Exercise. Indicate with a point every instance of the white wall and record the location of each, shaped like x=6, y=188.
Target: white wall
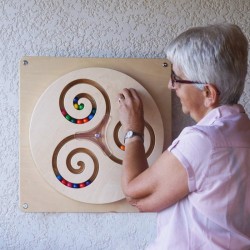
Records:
x=87, y=28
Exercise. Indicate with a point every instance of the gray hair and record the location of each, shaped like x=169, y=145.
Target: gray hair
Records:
x=215, y=54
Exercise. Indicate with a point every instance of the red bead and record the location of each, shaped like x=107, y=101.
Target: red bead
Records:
x=82, y=185
x=64, y=113
x=79, y=121
x=64, y=182
x=69, y=184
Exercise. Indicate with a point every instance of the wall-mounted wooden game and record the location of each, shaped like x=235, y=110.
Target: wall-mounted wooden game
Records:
x=71, y=140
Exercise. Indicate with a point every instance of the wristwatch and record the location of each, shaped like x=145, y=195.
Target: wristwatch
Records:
x=131, y=134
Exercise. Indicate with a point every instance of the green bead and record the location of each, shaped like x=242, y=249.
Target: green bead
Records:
x=68, y=117
x=81, y=106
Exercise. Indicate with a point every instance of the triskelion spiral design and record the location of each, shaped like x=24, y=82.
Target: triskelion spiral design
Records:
x=83, y=161
x=80, y=106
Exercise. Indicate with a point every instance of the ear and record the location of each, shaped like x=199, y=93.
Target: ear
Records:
x=211, y=95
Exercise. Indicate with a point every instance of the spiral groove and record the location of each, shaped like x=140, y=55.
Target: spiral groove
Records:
x=81, y=165
x=80, y=106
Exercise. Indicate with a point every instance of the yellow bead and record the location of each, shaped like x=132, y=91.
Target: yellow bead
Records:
x=76, y=106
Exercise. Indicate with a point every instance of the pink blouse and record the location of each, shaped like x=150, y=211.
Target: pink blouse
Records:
x=216, y=213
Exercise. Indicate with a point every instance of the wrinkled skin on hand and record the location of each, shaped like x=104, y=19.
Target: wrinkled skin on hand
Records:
x=131, y=111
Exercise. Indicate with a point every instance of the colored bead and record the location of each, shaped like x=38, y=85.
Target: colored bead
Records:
x=64, y=182
x=90, y=116
x=98, y=135
x=75, y=185
x=88, y=182
x=64, y=113
x=75, y=100
x=93, y=111
x=79, y=121
x=68, y=117
x=76, y=106
x=82, y=185
x=73, y=120
x=81, y=106
x=122, y=147
x=69, y=184
x=59, y=177
x=85, y=120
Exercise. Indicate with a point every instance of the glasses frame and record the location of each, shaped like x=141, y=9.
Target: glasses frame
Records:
x=175, y=80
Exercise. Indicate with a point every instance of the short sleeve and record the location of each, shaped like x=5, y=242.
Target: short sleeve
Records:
x=193, y=149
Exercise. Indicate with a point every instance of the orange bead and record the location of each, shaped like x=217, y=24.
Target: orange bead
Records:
x=122, y=147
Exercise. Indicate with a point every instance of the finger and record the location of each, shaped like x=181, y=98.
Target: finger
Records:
x=134, y=94
x=126, y=93
x=120, y=97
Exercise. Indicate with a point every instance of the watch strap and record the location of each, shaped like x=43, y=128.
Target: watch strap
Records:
x=131, y=134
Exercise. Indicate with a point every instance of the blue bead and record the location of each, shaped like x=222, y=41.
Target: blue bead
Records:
x=59, y=177
x=75, y=185
x=75, y=100
x=90, y=116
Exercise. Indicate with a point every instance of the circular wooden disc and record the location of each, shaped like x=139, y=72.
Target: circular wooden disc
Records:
x=85, y=102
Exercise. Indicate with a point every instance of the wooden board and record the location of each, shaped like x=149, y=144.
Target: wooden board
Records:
x=71, y=141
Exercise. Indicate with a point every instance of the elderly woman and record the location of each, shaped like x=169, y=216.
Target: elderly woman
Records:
x=201, y=185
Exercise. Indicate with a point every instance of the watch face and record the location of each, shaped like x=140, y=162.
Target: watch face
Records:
x=129, y=134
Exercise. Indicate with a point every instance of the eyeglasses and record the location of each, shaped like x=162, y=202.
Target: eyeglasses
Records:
x=177, y=79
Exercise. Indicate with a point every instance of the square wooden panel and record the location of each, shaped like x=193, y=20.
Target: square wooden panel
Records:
x=42, y=81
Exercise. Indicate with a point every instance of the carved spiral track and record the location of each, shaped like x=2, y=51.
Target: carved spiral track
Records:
x=80, y=106
x=121, y=144
x=72, y=169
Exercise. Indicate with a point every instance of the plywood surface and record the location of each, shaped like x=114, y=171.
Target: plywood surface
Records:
x=55, y=149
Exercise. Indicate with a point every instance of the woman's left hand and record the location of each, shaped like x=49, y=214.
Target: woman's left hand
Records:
x=131, y=111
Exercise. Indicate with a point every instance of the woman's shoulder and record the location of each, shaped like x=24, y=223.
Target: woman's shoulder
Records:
x=202, y=132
